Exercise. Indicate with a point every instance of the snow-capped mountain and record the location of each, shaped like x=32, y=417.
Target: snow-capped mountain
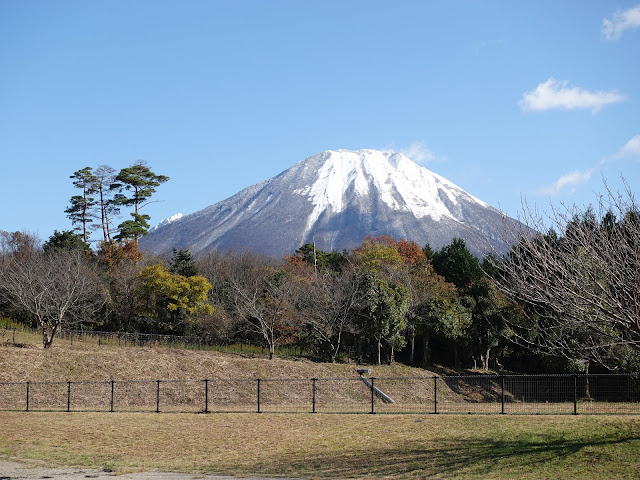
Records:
x=336, y=198
x=168, y=220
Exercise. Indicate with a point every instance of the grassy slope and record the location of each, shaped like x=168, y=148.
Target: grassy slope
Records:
x=88, y=361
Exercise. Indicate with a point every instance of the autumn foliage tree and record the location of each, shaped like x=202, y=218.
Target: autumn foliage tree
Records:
x=170, y=300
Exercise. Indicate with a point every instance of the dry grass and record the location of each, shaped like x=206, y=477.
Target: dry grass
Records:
x=331, y=446
x=88, y=361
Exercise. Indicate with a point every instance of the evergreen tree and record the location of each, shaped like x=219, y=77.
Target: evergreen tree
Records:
x=141, y=182
x=182, y=263
x=428, y=252
x=81, y=212
x=457, y=264
x=325, y=261
x=66, y=241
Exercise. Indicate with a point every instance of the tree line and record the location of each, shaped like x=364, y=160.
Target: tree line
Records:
x=376, y=299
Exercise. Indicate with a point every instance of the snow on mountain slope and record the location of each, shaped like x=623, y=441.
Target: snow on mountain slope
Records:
x=335, y=197
x=168, y=220
x=401, y=184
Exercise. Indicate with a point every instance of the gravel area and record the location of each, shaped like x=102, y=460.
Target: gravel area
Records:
x=11, y=470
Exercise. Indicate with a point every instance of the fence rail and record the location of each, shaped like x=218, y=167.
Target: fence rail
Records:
x=486, y=394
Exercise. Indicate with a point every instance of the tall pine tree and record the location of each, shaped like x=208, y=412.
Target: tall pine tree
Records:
x=141, y=183
x=81, y=212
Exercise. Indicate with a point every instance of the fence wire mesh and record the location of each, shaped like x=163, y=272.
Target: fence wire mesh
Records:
x=233, y=396
x=486, y=394
x=340, y=395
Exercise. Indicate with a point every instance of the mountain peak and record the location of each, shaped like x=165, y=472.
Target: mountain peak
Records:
x=336, y=197
x=400, y=183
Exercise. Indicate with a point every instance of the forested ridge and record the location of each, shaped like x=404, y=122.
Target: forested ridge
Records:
x=565, y=300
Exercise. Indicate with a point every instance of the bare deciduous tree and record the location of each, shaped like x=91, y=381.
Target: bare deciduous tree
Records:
x=261, y=297
x=57, y=288
x=325, y=302
x=581, y=287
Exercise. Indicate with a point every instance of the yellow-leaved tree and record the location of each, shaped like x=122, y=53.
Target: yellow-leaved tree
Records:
x=171, y=300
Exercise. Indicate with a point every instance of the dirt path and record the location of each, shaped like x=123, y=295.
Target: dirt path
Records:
x=10, y=470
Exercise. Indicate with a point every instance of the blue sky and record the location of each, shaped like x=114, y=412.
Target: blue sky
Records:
x=535, y=99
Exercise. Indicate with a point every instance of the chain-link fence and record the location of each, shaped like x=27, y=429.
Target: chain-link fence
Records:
x=482, y=394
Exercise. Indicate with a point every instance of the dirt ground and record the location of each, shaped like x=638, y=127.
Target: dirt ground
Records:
x=12, y=470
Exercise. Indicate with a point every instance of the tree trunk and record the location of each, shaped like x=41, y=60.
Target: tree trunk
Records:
x=586, y=380
x=336, y=350
x=379, y=351
x=47, y=337
x=413, y=344
x=426, y=354
x=272, y=344
x=485, y=359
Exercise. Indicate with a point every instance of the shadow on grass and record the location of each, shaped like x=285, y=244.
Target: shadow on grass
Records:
x=474, y=458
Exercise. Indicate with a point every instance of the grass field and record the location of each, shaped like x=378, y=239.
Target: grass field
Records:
x=331, y=446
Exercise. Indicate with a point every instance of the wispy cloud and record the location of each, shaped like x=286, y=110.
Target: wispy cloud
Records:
x=556, y=94
x=631, y=149
x=571, y=180
x=568, y=181
x=419, y=153
x=622, y=20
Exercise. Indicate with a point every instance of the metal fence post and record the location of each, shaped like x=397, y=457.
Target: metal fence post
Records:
x=502, y=393
x=158, y=396
x=435, y=394
x=28, y=383
x=68, y=396
x=313, y=395
x=575, y=394
x=206, y=395
x=259, y=396
x=372, y=396
x=112, y=383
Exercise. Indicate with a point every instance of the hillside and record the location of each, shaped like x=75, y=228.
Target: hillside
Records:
x=109, y=377
x=88, y=361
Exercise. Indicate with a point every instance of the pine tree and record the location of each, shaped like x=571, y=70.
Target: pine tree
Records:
x=141, y=182
x=457, y=264
x=81, y=212
x=66, y=240
x=182, y=263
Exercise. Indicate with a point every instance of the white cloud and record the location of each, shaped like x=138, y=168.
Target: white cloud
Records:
x=622, y=20
x=631, y=149
x=556, y=94
x=419, y=153
x=570, y=180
